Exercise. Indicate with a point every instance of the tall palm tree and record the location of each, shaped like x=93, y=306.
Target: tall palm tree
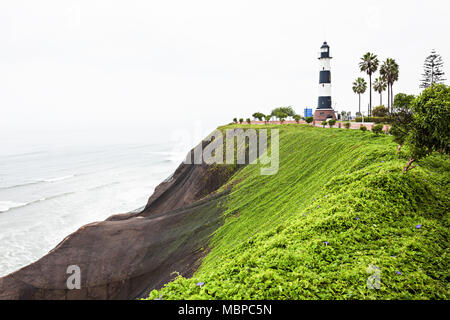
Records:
x=379, y=86
x=359, y=87
x=369, y=64
x=389, y=72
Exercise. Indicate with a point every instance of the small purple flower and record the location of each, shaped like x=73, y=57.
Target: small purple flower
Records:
x=357, y=218
x=326, y=243
x=326, y=196
x=199, y=284
x=318, y=207
x=418, y=226
x=367, y=173
x=160, y=298
x=398, y=272
x=382, y=161
x=314, y=199
x=394, y=256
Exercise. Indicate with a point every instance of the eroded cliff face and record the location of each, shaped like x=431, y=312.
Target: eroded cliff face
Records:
x=127, y=255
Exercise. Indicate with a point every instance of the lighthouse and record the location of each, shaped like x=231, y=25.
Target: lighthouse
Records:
x=324, y=109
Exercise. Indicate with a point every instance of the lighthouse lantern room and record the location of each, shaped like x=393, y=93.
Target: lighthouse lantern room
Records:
x=324, y=109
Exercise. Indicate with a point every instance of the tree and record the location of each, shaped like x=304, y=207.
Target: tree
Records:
x=347, y=125
x=267, y=118
x=369, y=64
x=287, y=110
x=249, y=121
x=241, y=120
x=380, y=111
x=281, y=115
x=380, y=86
x=401, y=118
x=377, y=129
x=430, y=130
x=324, y=123
x=359, y=87
x=389, y=72
x=331, y=123
x=235, y=120
x=297, y=118
x=309, y=120
x=433, y=73
x=258, y=115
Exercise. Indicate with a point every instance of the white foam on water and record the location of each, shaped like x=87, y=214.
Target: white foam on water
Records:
x=7, y=205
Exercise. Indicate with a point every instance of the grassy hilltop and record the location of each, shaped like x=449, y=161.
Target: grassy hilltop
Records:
x=338, y=205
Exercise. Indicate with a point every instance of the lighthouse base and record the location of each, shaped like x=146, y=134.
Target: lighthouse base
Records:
x=324, y=114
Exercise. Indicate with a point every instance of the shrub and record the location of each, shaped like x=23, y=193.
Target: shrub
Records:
x=241, y=120
x=324, y=123
x=380, y=111
x=249, y=121
x=377, y=129
x=375, y=119
x=309, y=119
x=331, y=123
x=347, y=125
x=297, y=118
x=363, y=128
x=235, y=120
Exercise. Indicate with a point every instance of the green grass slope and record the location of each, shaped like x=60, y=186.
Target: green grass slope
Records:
x=338, y=210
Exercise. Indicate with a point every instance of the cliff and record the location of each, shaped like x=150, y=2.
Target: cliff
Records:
x=130, y=254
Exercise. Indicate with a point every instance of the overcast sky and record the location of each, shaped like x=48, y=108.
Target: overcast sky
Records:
x=126, y=68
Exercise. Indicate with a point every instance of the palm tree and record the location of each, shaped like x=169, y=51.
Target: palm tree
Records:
x=369, y=65
x=359, y=87
x=379, y=86
x=389, y=72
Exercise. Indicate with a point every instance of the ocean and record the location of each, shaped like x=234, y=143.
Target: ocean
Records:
x=48, y=193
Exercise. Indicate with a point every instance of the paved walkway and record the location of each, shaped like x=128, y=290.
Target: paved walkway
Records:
x=353, y=125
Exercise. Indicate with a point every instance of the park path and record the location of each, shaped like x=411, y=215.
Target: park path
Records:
x=353, y=125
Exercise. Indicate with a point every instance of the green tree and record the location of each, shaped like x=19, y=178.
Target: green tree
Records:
x=309, y=119
x=297, y=118
x=359, y=87
x=379, y=86
x=235, y=120
x=369, y=64
x=347, y=125
x=258, y=115
x=389, y=72
x=287, y=110
x=281, y=115
x=324, y=123
x=432, y=69
x=267, y=118
x=241, y=120
x=249, y=121
x=430, y=130
x=401, y=118
x=331, y=123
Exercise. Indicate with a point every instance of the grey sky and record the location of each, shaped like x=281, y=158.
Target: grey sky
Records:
x=112, y=68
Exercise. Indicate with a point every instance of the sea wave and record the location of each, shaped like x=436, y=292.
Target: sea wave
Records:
x=37, y=181
x=11, y=205
x=58, y=178
x=7, y=205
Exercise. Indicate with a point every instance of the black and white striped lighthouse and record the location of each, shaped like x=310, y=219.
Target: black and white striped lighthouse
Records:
x=324, y=109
